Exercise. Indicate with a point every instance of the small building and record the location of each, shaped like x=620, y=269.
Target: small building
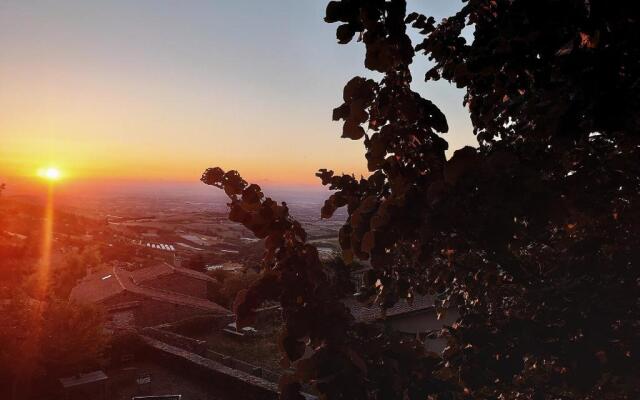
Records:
x=419, y=318
x=146, y=296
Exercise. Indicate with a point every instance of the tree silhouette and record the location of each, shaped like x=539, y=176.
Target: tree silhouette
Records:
x=532, y=237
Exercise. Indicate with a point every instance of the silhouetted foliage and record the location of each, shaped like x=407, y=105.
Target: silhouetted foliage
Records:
x=74, y=268
x=219, y=274
x=42, y=335
x=532, y=237
x=42, y=341
x=228, y=284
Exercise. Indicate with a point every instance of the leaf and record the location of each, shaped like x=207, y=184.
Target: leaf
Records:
x=345, y=33
x=344, y=237
x=357, y=111
x=589, y=41
x=334, y=202
x=352, y=130
x=411, y=17
x=463, y=160
x=436, y=191
x=435, y=117
x=293, y=348
x=212, y=176
x=347, y=256
x=566, y=49
x=359, y=88
x=380, y=219
x=325, y=176
x=369, y=204
x=376, y=151
x=341, y=112
x=289, y=388
x=238, y=214
x=245, y=315
x=334, y=12
x=368, y=242
x=357, y=360
x=252, y=195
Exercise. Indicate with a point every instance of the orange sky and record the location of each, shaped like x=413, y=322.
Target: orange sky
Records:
x=161, y=90
x=91, y=130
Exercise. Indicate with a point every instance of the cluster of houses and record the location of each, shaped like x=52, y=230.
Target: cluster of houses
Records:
x=139, y=296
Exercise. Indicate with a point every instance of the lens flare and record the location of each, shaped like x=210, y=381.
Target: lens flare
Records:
x=50, y=173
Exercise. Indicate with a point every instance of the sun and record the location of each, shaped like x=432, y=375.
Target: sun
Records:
x=50, y=173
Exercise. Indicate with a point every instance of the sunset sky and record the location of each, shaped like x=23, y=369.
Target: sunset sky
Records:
x=159, y=90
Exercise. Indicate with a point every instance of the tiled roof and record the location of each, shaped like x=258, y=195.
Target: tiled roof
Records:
x=367, y=313
x=192, y=273
x=152, y=272
x=98, y=286
x=102, y=283
x=127, y=281
x=108, y=281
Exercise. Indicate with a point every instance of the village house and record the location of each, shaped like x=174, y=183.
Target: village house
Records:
x=146, y=296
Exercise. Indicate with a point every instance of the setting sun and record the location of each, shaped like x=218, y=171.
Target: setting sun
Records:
x=50, y=173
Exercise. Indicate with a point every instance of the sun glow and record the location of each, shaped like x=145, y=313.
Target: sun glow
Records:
x=50, y=173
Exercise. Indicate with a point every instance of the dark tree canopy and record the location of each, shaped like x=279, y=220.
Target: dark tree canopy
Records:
x=532, y=237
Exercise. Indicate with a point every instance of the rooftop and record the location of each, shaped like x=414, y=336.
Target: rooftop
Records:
x=108, y=281
x=98, y=286
x=367, y=313
x=152, y=272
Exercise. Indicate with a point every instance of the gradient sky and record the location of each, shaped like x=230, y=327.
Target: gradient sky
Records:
x=160, y=90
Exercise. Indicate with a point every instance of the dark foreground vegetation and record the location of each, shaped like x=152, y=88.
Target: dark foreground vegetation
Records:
x=42, y=335
x=532, y=237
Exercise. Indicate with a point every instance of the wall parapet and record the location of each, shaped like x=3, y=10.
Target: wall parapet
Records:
x=227, y=379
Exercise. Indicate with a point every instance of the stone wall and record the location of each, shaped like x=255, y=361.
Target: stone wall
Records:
x=226, y=380
x=243, y=366
x=174, y=339
x=199, y=324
